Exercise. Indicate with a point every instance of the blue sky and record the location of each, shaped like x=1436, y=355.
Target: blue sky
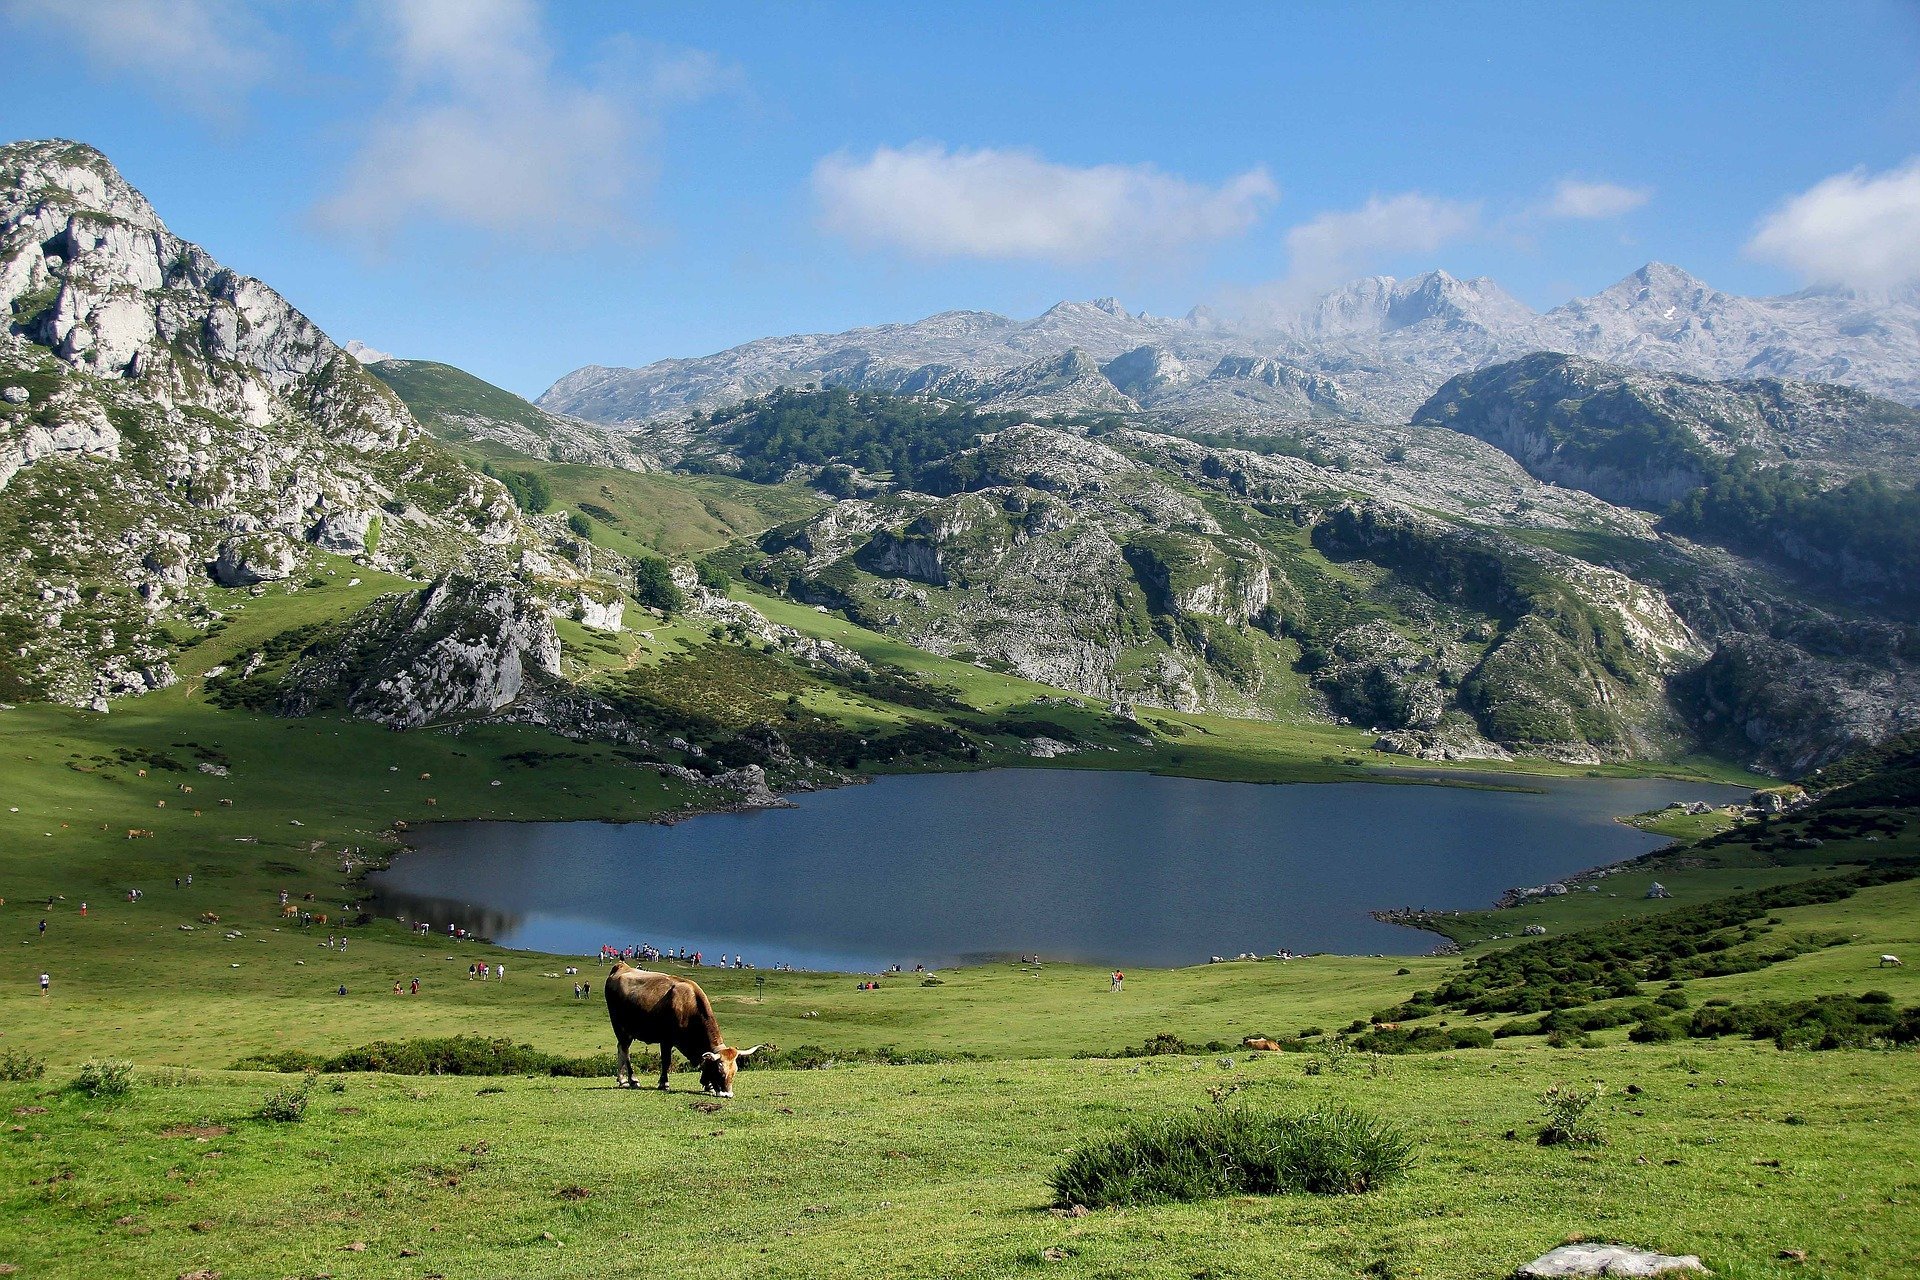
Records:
x=522, y=188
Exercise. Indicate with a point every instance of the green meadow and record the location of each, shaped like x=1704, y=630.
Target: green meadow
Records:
x=921, y=1138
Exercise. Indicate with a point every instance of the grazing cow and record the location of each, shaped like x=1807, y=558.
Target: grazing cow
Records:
x=1261, y=1043
x=673, y=1013
x=1889, y=962
x=288, y=911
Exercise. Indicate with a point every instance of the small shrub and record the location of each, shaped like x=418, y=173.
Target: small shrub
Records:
x=17, y=1067
x=1228, y=1151
x=932, y=982
x=1653, y=1031
x=1329, y=1058
x=101, y=1078
x=1567, y=1118
x=288, y=1105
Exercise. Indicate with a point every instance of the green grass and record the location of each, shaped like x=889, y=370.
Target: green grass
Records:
x=943, y=1171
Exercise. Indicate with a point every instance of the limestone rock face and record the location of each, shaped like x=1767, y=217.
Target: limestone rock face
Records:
x=179, y=431
x=463, y=646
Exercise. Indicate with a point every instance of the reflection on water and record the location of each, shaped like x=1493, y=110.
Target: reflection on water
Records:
x=1105, y=867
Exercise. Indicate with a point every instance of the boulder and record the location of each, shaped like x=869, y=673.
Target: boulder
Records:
x=247, y=561
x=342, y=531
x=1607, y=1260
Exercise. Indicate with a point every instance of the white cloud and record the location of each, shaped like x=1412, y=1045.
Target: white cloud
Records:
x=205, y=55
x=1573, y=198
x=1337, y=246
x=1857, y=228
x=1012, y=204
x=486, y=132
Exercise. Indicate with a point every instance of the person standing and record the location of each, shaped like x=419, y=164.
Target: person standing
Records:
x=500, y=971
x=83, y=909
x=43, y=926
x=1119, y=980
x=46, y=980
x=415, y=990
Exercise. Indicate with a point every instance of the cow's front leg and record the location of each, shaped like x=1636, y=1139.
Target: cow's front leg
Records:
x=623, y=1067
x=666, y=1060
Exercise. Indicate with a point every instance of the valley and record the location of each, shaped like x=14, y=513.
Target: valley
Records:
x=270, y=605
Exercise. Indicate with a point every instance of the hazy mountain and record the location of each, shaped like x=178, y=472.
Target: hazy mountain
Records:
x=1375, y=348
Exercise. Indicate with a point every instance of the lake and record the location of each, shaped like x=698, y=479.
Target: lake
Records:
x=1110, y=868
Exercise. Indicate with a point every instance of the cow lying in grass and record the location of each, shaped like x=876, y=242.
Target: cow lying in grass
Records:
x=672, y=1013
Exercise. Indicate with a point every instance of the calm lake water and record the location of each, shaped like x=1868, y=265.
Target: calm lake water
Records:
x=1113, y=868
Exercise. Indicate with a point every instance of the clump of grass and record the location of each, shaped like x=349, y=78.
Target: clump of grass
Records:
x=104, y=1079
x=1567, y=1118
x=1231, y=1150
x=17, y=1067
x=288, y=1105
x=1328, y=1058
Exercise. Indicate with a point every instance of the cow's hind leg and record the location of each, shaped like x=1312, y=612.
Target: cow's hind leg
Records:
x=623, y=1067
x=666, y=1061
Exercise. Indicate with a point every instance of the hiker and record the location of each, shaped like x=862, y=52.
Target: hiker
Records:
x=1119, y=980
x=43, y=926
x=415, y=989
x=500, y=972
x=46, y=980
x=83, y=908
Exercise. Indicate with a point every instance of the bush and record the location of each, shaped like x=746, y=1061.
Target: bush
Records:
x=653, y=586
x=1653, y=1031
x=1229, y=1151
x=442, y=1056
x=101, y=1078
x=1567, y=1118
x=17, y=1067
x=288, y=1105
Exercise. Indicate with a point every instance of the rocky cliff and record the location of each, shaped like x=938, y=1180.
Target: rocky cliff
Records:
x=172, y=431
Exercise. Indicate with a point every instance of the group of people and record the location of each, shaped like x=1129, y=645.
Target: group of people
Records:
x=480, y=970
x=411, y=989
x=644, y=951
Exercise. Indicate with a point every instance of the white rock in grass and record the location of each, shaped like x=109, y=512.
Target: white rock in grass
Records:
x=1607, y=1260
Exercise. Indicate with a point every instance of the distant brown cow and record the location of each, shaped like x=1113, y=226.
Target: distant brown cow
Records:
x=673, y=1013
x=1261, y=1043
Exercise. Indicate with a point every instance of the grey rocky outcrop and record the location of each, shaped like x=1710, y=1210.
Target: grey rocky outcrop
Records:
x=463, y=646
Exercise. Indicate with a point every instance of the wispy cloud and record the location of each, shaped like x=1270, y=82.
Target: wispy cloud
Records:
x=1014, y=204
x=207, y=56
x=1572, y=198
x=486, y=131
x=1336, y=246
x=1857, y=228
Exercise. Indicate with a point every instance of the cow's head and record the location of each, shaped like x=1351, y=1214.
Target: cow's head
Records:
x=718, y=1065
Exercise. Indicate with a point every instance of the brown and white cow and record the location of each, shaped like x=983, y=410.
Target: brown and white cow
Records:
x=672, y=1013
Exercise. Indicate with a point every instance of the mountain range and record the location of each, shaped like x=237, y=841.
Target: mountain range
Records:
x=1373, y=349
x=1544, y=554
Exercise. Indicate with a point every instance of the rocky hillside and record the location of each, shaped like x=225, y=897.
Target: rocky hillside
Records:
x=460, y=408
x=1414, y=581
x=1819, y=480
x=1648, y=439
x=172, y=431
x=1374, y=349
